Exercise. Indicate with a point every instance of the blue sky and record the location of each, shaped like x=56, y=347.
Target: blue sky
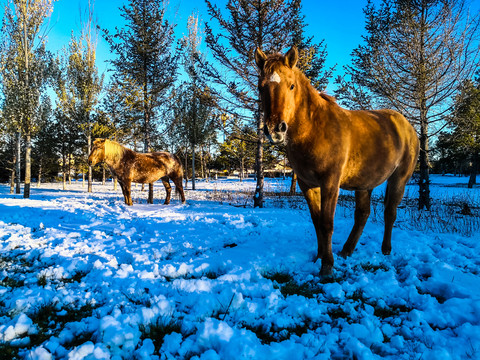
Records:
x=340, y=23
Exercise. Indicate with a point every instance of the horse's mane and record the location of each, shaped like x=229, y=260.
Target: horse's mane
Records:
x=273, y=62
x=327, y=97
x=113, y=150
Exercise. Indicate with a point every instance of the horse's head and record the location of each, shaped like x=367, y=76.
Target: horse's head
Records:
x=277, y=85
x=98, y=152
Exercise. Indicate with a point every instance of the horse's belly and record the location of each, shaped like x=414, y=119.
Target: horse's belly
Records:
x=366, y=177
x=147, y=177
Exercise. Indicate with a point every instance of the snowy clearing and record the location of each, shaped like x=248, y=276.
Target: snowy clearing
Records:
x=83, y=276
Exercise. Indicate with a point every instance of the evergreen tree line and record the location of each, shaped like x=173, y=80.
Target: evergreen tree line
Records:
x=418, y=57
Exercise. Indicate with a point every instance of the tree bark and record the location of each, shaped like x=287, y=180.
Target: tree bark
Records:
x=424, y=181
x=69, y=169
x=64, y=170
x=193, y=166
x=202, y=165
x=39, y=180
x=18, y=162
x=185, y=173
x=242, y=168
x=89, y=148
x=12, y=175
x=473, y=170
x=28, y=165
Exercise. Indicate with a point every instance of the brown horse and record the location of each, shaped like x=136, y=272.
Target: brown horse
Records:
x=331, y=148
x=129, y=166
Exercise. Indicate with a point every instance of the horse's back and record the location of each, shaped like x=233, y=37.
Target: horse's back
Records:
x=172, y=163
x=381, y=141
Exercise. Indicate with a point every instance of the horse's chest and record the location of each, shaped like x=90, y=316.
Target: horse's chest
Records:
x=308, y=167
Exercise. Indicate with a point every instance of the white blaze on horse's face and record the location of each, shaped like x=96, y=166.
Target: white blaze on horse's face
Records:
x=277, y=98
x=277, y=89
x=275, y=78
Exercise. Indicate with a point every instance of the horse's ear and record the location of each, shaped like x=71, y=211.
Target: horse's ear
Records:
x=260, y=58
x=291, y=57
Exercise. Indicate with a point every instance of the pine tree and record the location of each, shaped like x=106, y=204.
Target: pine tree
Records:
x=45, y=148
x=145, y=62
x=466, y=123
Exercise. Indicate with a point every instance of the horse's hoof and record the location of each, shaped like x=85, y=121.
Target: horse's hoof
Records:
x=345, y=254
x=326, y=271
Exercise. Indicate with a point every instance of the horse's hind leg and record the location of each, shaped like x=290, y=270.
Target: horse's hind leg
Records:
x=362, y=212
x=393, y=197
x=179, y=188
x=168, y=189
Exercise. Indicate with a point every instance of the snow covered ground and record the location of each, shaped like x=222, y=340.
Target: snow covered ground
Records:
x=82, y=276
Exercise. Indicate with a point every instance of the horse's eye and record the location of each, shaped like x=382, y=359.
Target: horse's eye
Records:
x=292, y=86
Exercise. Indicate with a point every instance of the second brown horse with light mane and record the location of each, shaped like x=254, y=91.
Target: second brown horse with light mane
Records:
x=330, y=148
x=129, y=166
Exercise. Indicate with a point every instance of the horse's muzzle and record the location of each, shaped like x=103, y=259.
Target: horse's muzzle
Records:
x=279, y=133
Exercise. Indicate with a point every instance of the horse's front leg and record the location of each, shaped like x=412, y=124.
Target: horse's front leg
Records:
x=328, y=204
x=122, y=186
x=127, y=192
x=313, y=196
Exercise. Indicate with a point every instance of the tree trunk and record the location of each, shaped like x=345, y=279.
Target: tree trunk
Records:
x=12, y=175
x=89, y=148
x=64, y=170
x=39, y=180
x=69, y=169
x=18, y=162
x=424, y=181
x=193, y=167
x=258, y=196
x=186, y=168
x=242, y=168
x=28, y=165
x=202, y=167
x=421, y=83
x=473, y=171
x=293, y=185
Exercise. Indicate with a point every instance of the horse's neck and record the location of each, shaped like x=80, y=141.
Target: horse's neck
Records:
x=113, y=160
x=310, y=110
